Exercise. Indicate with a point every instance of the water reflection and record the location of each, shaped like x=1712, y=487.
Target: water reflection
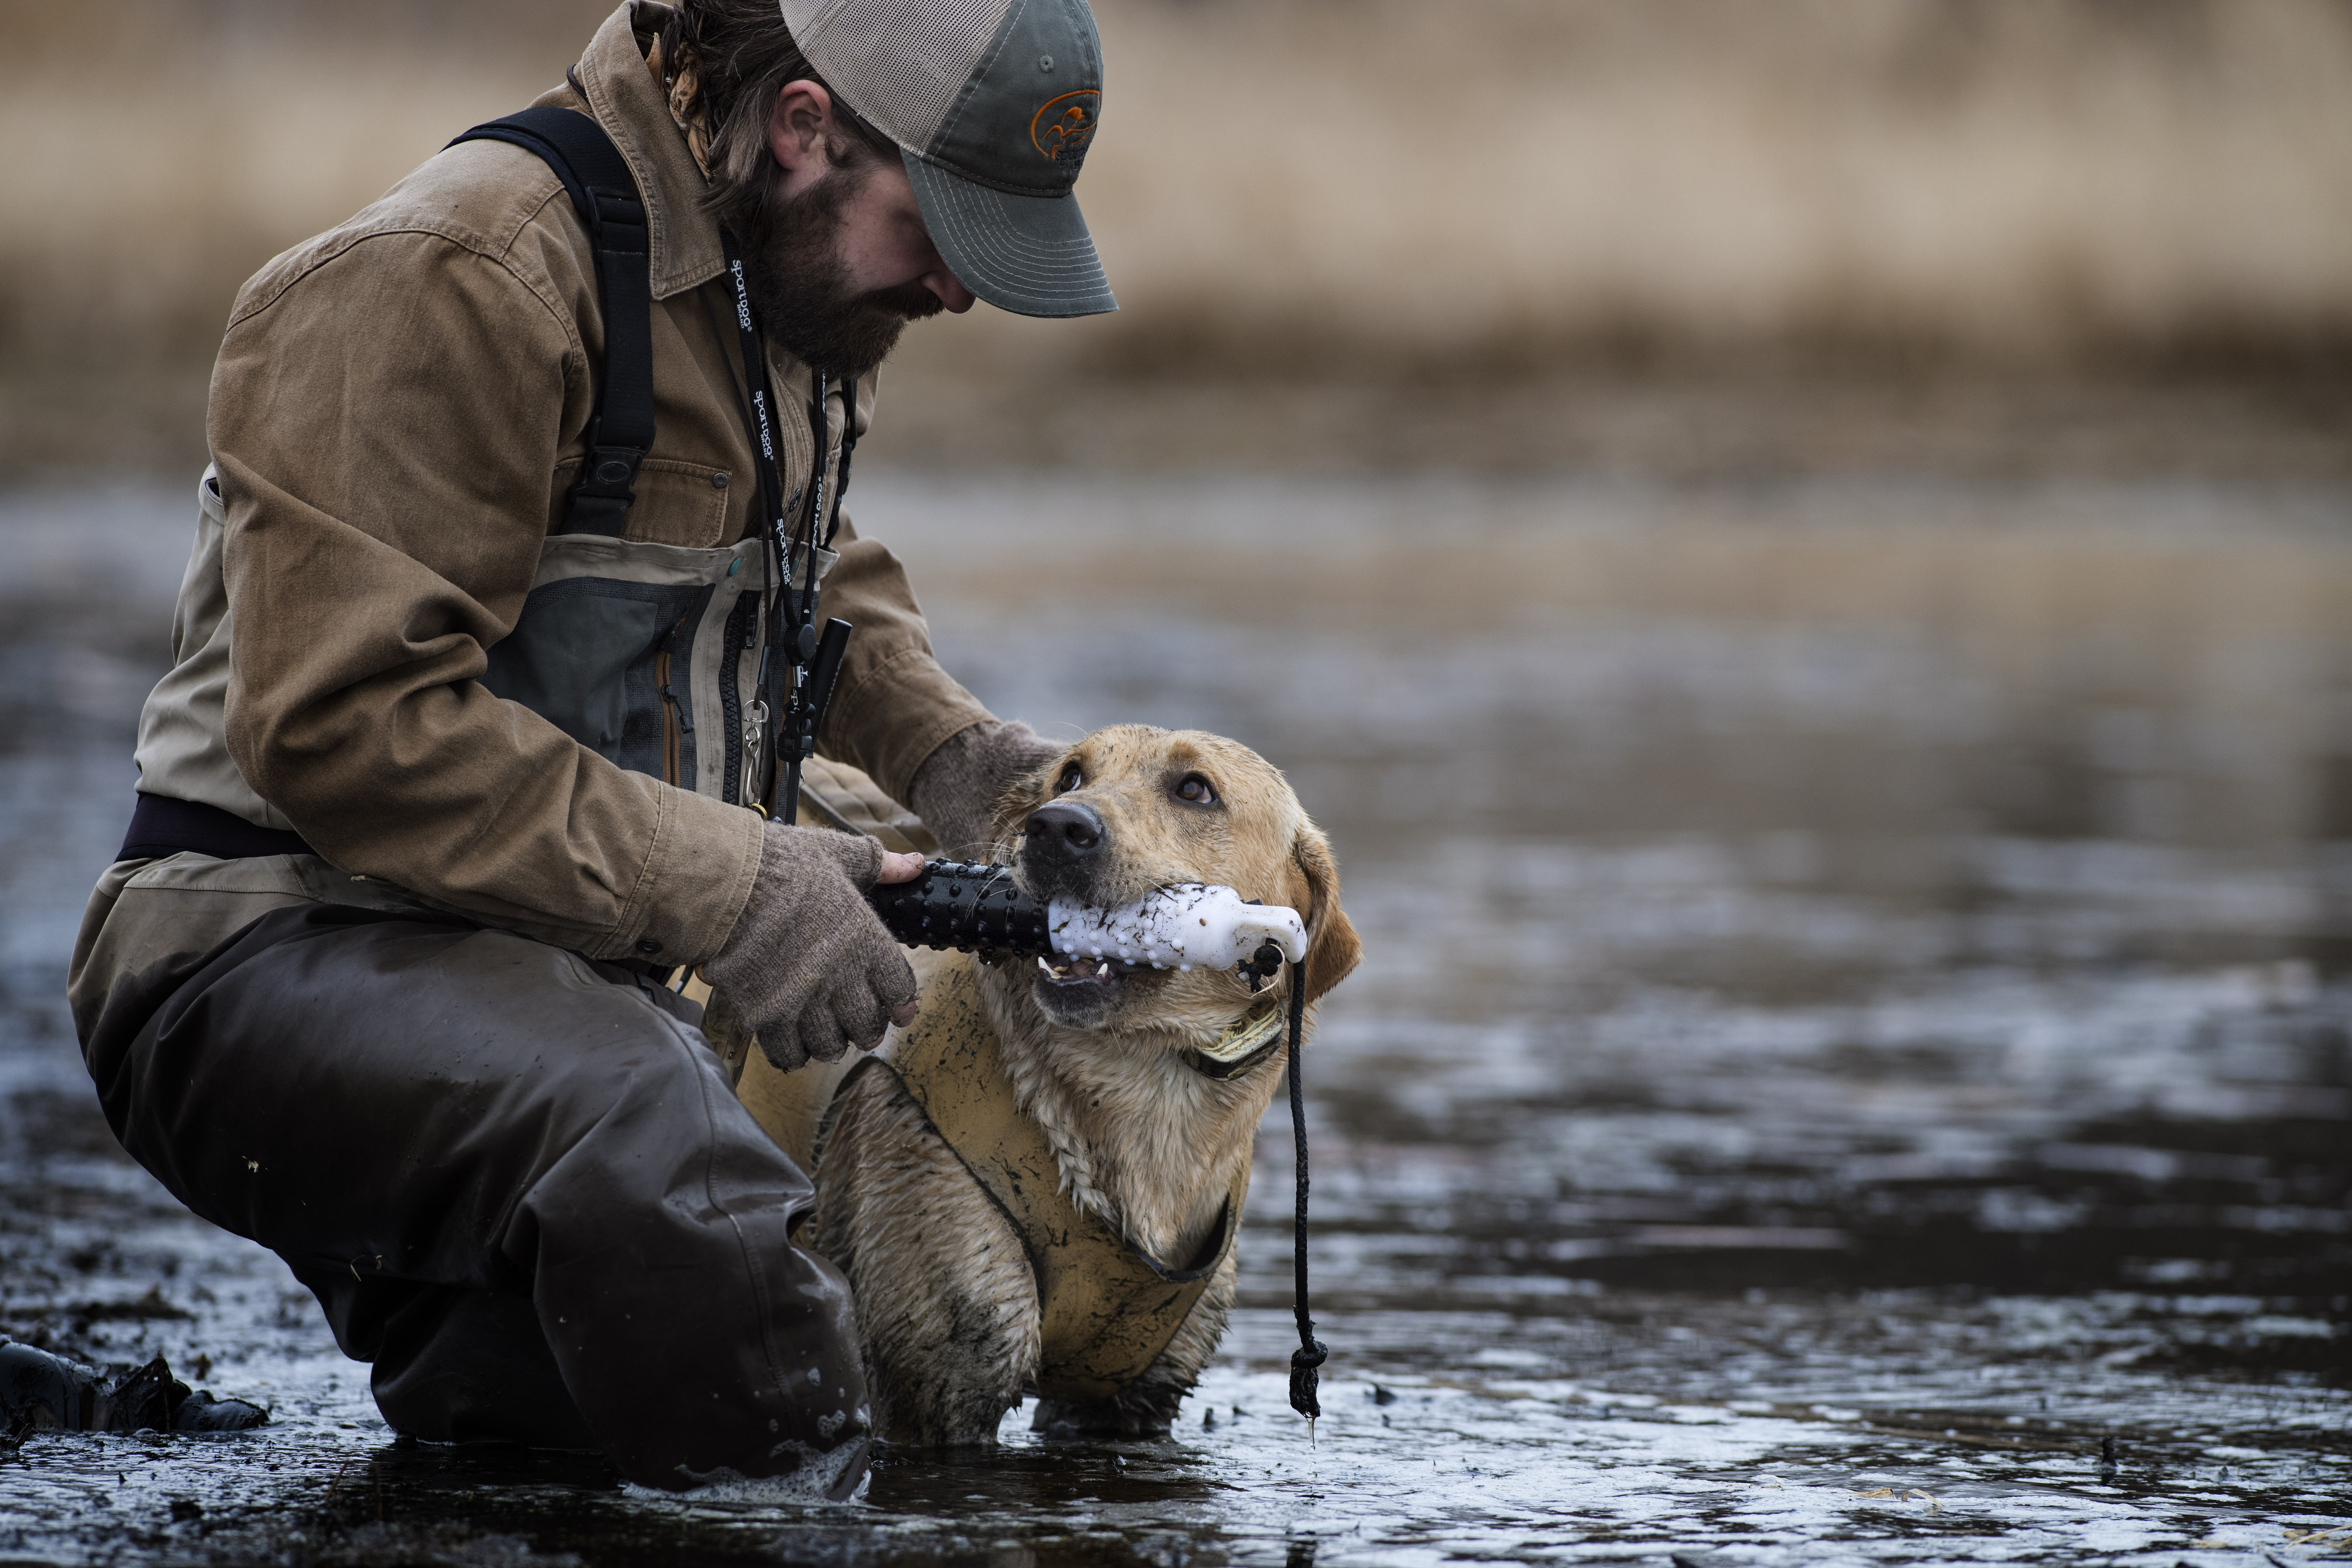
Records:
x=1843, y=884
x=1852, y=1056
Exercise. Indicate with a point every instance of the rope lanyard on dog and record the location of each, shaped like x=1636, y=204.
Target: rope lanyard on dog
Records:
x=812, y=658
x=1310, y=1353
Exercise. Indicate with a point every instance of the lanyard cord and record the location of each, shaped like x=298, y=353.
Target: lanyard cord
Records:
x=791, y=611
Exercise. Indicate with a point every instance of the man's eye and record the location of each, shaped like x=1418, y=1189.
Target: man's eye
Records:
x=1071, y=778
x=1197, y=790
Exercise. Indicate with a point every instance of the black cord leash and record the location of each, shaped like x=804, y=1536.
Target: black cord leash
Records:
x=1310, y=1353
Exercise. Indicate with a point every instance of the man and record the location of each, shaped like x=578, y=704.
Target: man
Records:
x=458, y=760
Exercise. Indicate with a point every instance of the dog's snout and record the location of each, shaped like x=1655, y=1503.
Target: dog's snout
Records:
x=1063, y=829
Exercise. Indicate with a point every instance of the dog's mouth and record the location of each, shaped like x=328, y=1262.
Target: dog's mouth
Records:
x=1172, y=929
x=1064, y=974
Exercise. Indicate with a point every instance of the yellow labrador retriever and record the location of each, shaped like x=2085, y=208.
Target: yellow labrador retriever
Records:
x=1036, y=1188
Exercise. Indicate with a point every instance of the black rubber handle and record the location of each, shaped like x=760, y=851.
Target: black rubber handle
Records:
x=968, y=908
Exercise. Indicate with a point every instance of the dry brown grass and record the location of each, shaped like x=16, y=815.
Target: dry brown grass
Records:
x=1511, y=177
x=1349, y=187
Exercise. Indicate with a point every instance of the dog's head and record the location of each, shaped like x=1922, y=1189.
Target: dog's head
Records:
x=1131, y=809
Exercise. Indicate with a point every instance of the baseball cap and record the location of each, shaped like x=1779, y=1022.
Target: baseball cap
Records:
x=992, y=103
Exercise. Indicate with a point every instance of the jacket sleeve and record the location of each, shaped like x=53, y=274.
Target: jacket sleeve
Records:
x=893, y=704
x=387, y=419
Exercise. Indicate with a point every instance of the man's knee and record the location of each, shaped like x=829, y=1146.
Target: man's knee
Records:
x=472, y=1366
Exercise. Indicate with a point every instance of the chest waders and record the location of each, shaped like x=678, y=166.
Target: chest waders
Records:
x=707, y=669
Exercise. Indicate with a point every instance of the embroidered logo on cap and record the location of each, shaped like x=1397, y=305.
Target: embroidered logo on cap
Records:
x=1063, y=126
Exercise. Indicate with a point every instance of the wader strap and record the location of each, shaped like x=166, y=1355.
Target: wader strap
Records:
x=621, y=429
x=1107, y=1310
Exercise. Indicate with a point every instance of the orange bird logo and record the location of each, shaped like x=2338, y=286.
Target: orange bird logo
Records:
x=1063, y=126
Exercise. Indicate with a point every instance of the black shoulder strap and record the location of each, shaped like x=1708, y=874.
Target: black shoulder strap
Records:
x=621, y=430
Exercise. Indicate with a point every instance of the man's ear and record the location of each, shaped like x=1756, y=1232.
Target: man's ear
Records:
x=1332, y=949
x=801, y=129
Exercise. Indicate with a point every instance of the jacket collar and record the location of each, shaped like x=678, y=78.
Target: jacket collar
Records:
x=683, y=246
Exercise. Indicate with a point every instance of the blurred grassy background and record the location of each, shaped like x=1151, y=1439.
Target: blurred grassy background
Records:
x=1710, y=233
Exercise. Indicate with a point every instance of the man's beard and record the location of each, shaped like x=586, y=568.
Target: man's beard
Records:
x=800, y=286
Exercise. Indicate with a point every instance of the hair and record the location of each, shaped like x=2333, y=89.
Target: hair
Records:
x=743, y=56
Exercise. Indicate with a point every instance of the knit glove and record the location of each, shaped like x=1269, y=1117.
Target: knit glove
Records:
x=810, y=968
x=956, y=790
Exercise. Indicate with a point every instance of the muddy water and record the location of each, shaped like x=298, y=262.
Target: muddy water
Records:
x=1851, y=1064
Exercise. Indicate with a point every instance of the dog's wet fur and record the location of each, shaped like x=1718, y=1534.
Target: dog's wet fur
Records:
x=947, y=1306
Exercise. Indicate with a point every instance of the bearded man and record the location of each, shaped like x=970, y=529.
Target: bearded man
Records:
x=474, y=703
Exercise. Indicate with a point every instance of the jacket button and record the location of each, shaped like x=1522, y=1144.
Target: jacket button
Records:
x=648, y=946
x=718, y=481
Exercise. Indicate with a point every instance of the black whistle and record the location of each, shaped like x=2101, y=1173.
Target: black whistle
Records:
x=968, y=908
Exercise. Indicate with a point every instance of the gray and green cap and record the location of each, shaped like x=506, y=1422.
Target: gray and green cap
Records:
x=992, y=103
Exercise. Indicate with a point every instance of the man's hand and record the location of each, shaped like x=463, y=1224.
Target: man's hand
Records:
x=810, y=968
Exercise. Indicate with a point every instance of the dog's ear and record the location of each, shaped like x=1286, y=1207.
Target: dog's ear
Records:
x=1332, y=948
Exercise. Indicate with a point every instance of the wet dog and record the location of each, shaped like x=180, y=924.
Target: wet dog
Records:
x=1036, y=1188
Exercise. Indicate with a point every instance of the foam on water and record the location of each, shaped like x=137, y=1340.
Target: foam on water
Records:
x=811, y=1486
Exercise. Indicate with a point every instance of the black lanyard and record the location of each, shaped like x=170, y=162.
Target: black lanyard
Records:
x=791, y=723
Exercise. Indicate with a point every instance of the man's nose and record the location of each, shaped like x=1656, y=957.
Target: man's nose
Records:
x=950, y=287
x=1063, y=831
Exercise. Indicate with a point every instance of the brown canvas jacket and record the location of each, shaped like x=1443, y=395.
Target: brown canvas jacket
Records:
x=397, y=413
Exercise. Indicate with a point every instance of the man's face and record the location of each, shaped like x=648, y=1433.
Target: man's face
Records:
x=837, y=258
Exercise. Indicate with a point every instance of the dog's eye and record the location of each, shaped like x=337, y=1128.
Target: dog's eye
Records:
x=1071, y=778
x=1197, y=790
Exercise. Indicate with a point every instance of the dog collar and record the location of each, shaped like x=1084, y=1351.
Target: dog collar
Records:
x=1244, y=1043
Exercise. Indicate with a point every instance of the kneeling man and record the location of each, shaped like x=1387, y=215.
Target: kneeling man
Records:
x=497, y=651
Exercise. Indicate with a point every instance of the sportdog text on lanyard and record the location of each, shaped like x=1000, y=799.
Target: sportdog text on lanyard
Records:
x=785, y=730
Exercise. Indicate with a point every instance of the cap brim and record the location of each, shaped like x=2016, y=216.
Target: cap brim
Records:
x=1030, y=255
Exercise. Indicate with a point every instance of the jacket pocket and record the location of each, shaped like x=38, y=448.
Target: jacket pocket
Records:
x=678, y=503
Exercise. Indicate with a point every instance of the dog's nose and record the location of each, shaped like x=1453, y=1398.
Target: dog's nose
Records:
x=1064, y=830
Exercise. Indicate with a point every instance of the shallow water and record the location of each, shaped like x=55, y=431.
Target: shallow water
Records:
x=1854, y=1018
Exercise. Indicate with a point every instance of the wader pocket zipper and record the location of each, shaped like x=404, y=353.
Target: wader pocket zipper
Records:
x=674, y=724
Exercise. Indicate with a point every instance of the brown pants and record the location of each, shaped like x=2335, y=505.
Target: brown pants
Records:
x=519, y=1183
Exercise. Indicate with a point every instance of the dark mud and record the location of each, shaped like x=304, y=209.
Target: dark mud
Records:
x=1852, y=1063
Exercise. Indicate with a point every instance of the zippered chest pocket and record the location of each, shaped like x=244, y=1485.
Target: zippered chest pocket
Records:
x=600, y=659
x=639, y=652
